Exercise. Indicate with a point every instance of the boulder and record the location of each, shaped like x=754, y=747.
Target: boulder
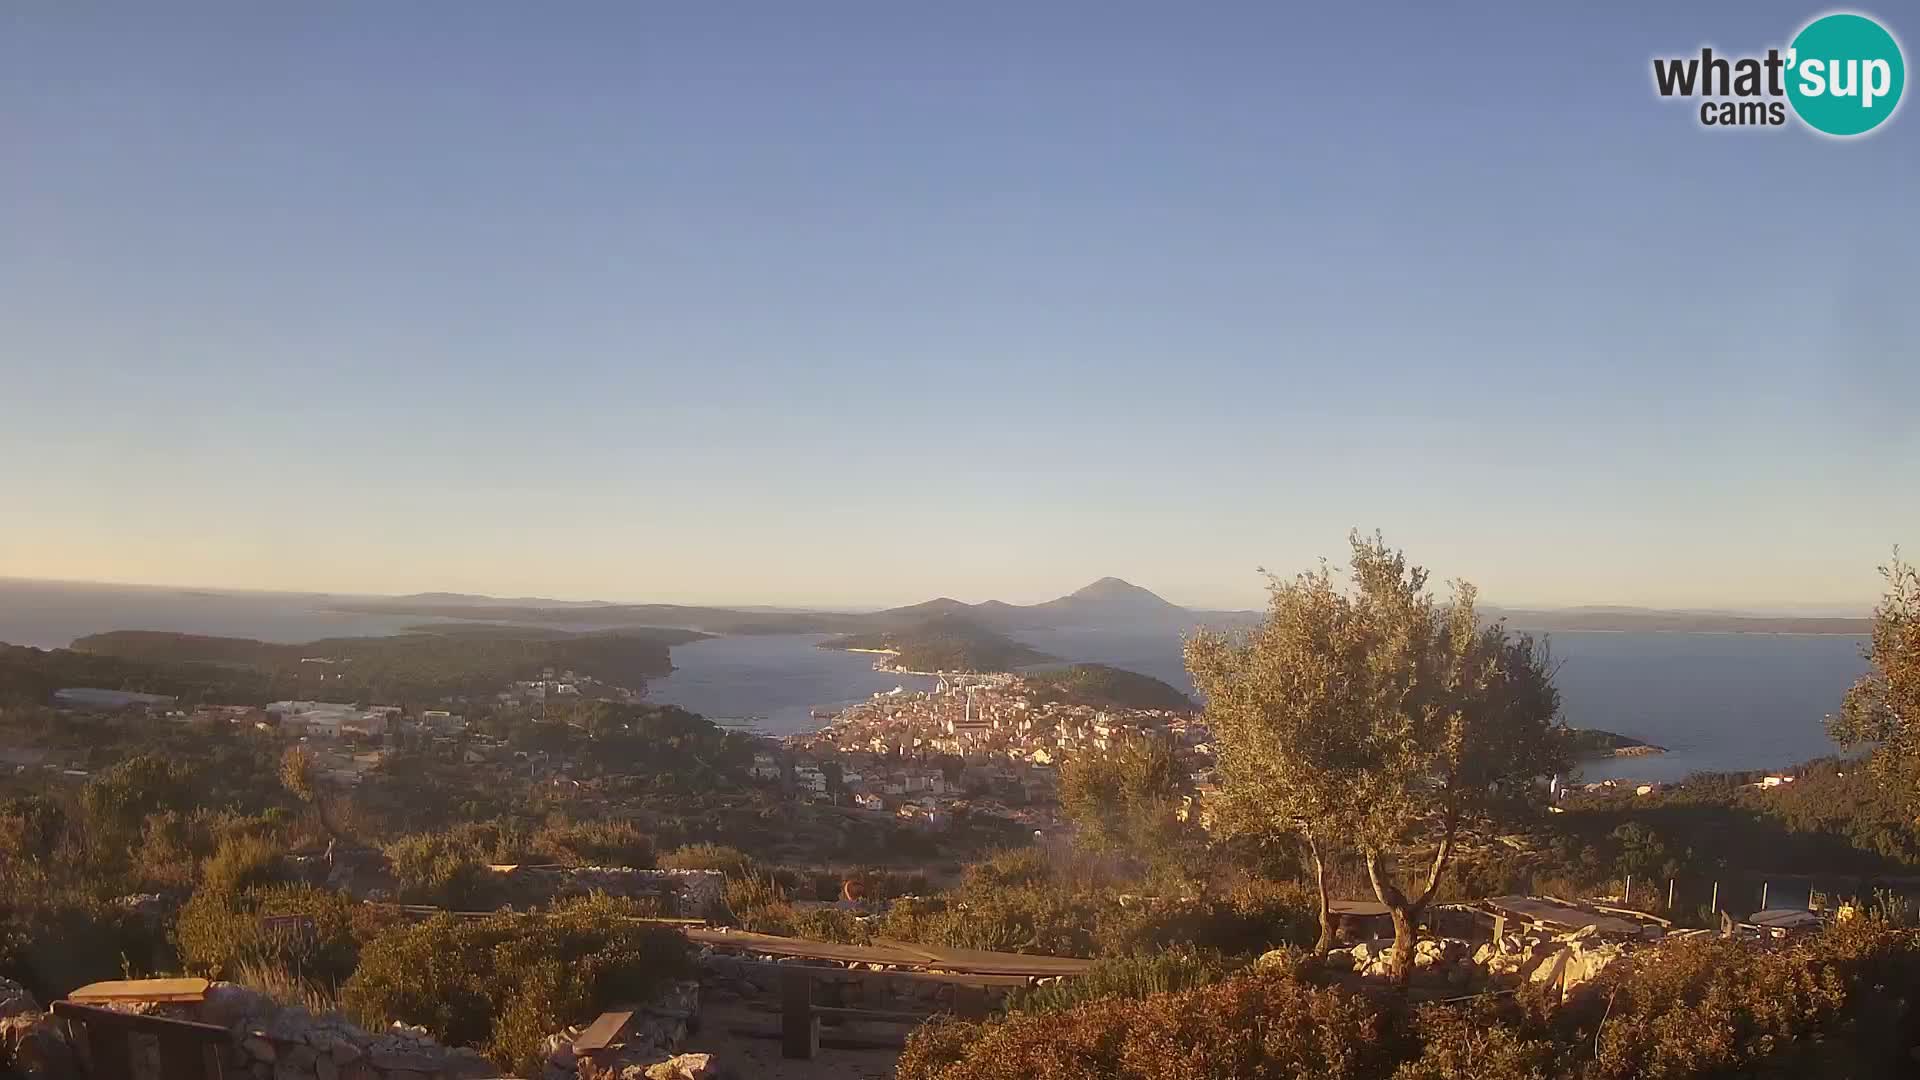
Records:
x=1275, y=960
x=465, y=1063
x=685, y=1067
x=15, y=1000
x=33, y=1047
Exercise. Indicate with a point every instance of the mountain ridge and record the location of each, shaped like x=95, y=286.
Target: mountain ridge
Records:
x=1107, y=601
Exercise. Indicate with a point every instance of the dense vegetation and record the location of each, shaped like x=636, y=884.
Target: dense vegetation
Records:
x=149, y=847
x=945, y=643
x=427, y=666
x=29, y=676
x=1106, y=687
x=1592, y=742
x=505, y=983
x=1835, y=1005
x=1369, y=716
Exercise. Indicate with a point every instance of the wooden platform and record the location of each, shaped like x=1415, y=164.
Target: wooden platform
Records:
x=895, y=954
x=980, y=962
x=174, y=990
x=775, y=945
x=603, y=1032
x=1560, y=917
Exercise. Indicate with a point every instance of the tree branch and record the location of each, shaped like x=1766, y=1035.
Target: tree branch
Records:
x=1385, y=891
x=1439, y=858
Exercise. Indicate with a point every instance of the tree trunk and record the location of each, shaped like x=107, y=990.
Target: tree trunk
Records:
x=1403, y=915
x=1328, y=925
x=1402, y=972
x=1405, y=911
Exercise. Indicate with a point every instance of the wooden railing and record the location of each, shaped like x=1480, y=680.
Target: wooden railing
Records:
x=188, y=1050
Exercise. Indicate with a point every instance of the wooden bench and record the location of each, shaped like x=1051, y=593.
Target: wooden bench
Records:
x=605, y=1033
x=188, y=1050
x=800, y=1017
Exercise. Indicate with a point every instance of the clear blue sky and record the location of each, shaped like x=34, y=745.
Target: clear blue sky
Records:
x=838, y=303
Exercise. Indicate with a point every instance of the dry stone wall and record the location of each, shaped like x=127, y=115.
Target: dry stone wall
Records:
x=275, y=1042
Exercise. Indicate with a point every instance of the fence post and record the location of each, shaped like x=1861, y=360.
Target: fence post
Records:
x=970, y=1002
x=799, y=1028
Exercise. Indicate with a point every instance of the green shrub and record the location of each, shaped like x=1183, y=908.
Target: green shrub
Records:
x=595, y=843
x=438, y=869
x=1832, y=1006
x=1012, y=868
x=1251, y=918
x=118, y=800
x=55, y=936
x=1044, y=919
x=243, y=862
x=505, y=982
x=1476, y=1044
x=1727, y=1007
x=759, y=903
x=830, y=924
x=1129, y=977
x=31, y=827
x=218, y=934
x=728, y=860
x=1252, y=1027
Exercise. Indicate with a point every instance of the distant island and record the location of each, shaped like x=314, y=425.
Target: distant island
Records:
x=1106, y=687
x=1655, y=621
x=1590, y=743
x=427, y=662
x=943, y=642
x=1108, y=602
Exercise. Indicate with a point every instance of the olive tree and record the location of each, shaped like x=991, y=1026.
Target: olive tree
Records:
x=1128, y=801
x=1883, y=707
x=1369, y=715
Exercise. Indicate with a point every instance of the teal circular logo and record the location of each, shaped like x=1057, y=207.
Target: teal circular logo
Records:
x=1845, y=74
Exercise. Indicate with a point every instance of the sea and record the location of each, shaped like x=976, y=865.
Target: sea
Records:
x=1716, y=701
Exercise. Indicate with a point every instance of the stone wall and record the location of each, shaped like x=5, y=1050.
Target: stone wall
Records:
x=1564, y=960
x=275, y=1042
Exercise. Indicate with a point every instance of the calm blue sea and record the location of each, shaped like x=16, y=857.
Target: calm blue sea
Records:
x=1716, y=701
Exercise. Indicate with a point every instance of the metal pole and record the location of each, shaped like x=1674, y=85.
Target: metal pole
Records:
x=1763, y=896
x=1716, y=896
x=1669, y=894
x=1629, y=897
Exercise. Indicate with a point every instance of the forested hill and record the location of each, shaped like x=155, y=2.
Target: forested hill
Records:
x=1106, y=687
x=29, y=676
x=464, y=662
x=945, y=643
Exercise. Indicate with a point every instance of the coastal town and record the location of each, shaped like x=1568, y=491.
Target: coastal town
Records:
x=987, y=742
x=972, y=744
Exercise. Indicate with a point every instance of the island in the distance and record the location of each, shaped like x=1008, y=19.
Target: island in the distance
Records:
x=943, y=643
x=425, y=663
x=1589, y=743
x=1106, y=687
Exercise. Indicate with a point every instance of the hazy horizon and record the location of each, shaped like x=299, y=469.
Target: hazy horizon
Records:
x=857, y=305
x=1258, y=602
